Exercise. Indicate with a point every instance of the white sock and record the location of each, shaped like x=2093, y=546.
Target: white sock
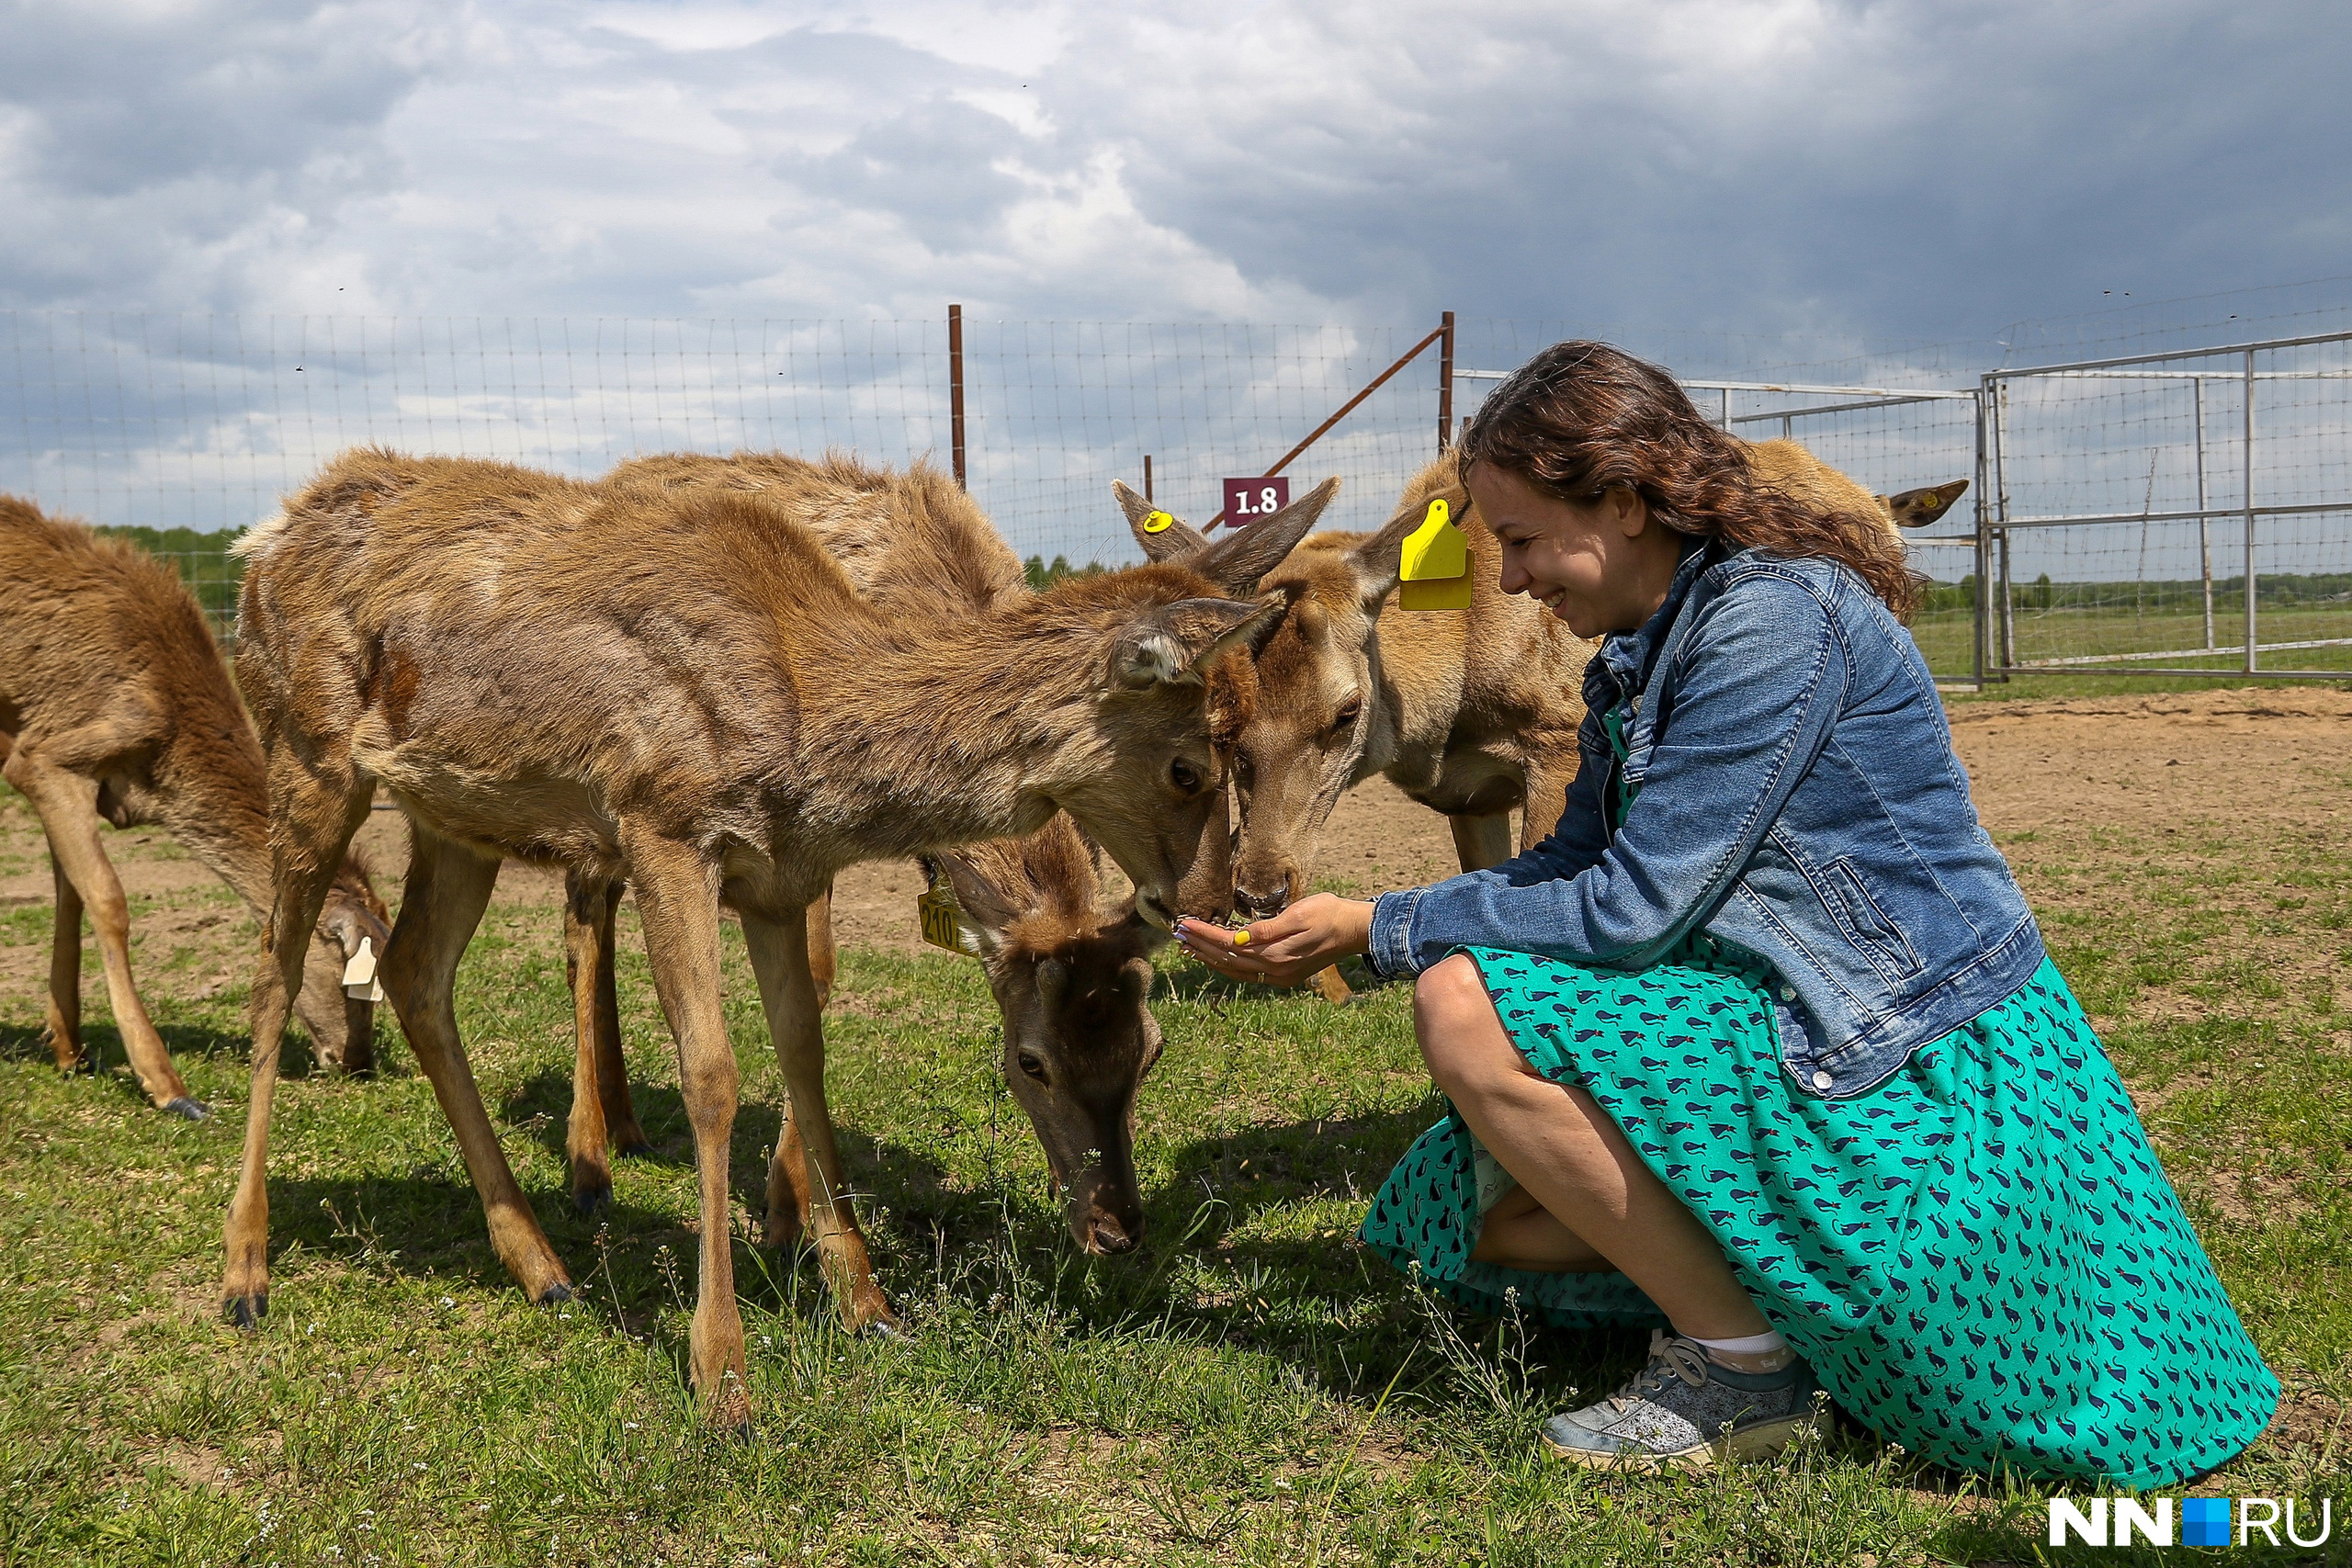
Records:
x=1763, y=1344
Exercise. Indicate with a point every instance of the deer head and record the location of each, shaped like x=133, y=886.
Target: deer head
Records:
x=1163, y=815
x=1316, y=714
x=1078, y=1037
x=342, y=1028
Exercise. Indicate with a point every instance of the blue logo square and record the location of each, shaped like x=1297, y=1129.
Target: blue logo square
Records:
x=2205, y=1521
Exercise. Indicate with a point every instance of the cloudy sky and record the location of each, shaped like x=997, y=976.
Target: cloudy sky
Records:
x=1910, y=169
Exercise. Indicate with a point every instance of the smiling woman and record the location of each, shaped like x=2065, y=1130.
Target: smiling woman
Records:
x=1761, y=1045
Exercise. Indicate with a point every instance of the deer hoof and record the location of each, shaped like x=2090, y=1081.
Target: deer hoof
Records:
x=882, y=1329
x=246, y=1312
x=639, y=1147
x=590, y=1198
x=554, y=1295
x=194, y=1109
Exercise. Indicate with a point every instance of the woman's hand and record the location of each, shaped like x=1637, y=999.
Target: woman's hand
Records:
x=1282, y=949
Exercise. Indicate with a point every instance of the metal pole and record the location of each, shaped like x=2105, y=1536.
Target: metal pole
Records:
x=2204, y=523
x=1726, y=395
x=955, y=390
x=1997, y=613
x=2251, y=638
x=1344, y=409
x=1146, y=475
x=1984, y=552
x=1445, y=382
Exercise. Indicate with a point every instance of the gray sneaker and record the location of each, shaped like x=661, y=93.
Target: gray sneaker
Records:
x=1686, y=1413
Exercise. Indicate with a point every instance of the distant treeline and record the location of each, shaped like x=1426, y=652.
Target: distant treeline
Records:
x=2271, y=590
x=1042, y=576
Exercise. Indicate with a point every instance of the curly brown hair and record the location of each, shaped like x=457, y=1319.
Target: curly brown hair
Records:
x=1582, y=418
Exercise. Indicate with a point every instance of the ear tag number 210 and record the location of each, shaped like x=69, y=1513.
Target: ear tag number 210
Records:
x=1435, y=569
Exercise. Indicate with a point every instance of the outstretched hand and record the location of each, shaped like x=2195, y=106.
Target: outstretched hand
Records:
x=1282, y=949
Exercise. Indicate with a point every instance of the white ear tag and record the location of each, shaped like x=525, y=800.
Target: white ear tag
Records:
x=944, y=924
x=359, y=981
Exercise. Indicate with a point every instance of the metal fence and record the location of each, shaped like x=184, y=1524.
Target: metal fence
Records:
x=2114, y=499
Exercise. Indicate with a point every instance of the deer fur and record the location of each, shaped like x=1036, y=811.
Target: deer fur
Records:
x=1072, y=981
x=685, y=689
x=116, y=706
x=1471, y=712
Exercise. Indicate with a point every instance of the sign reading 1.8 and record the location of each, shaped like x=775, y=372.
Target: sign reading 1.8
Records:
x=1246, y=501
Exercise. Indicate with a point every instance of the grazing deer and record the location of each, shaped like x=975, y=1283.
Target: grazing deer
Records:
x=115, y=705
x=1071, y=982
x=687, y=690
x=1471, y=712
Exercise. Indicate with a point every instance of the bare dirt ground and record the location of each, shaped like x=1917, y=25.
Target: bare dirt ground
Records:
x=2214, y=786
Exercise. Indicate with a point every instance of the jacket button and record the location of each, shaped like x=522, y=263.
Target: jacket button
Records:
x=1788, y=993
x=1821, y=1080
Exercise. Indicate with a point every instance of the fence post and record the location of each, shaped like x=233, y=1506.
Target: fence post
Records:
x=1146, y=475
x=955, y=390
x=1445, y=382
x=2204, y=523
x=2005, y=646
x=1983, y=535
x=2252, y=641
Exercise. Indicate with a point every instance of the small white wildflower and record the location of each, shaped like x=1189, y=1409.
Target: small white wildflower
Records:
x=416, y=1464
x=448, y=1301
x=628, y=1426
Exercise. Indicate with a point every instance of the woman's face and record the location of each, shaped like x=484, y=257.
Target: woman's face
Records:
x=1601, y=567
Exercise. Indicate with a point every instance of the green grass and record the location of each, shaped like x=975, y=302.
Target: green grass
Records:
x=1252, y=1388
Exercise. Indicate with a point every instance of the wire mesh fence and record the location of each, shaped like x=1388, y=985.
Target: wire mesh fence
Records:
x=188, y=428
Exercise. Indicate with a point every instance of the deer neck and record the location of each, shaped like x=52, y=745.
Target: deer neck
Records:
x=973, y=733
x=211, y=792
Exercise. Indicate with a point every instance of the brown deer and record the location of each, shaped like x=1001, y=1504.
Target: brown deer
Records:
x=687, y=690
x=116, y=706
x=1071, y=982
x=1470, y=712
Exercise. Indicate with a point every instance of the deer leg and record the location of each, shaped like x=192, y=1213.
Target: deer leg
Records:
x=677, y=901
x=1551, y=767
x=788, y=993
x=621, y=1129
x=63, y=1025
x=311, y=825
x=1481, y=842
x=448, y=887
x=1331, y=985
x=68, y=806
x=788, y=1188
x=824, y=961
x=583, y=952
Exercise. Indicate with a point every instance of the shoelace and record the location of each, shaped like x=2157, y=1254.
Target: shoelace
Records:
x=1668, y=1358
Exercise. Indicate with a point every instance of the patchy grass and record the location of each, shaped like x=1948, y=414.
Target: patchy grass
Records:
x=1252, y=1388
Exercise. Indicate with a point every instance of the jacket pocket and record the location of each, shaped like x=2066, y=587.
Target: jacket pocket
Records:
x=1866, y=925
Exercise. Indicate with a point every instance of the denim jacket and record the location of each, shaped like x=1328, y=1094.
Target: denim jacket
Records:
x=1794, y=798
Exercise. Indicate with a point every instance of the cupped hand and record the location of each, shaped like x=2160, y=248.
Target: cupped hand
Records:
x=1282, y=949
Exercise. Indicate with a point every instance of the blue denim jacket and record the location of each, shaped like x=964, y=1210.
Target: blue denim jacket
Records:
x=1797, y=801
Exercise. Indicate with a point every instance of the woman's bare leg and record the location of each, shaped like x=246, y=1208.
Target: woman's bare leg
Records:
x=1519, y=1232
x=1573, y=1161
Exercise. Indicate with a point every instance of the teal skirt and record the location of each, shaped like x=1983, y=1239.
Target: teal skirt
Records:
x=1980, y=1257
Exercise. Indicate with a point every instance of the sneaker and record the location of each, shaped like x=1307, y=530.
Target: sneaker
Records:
x=1686, y=1413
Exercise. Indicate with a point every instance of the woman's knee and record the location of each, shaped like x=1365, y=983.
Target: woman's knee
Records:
x=1454, y=1018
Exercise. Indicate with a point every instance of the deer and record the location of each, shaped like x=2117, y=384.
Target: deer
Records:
x=685, y=689
x=116, y=707
x=1471, y=712
x=1072, y=981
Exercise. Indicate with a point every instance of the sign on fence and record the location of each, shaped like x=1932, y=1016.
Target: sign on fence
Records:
x=1246, y=501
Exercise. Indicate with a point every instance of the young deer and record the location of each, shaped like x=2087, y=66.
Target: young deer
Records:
x=1470, y=712
x=1070, y=981
x=685, y=689
x=115, y=705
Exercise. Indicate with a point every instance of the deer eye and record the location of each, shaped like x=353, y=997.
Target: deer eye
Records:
x=1031, y=1066
x=1349, y=711
x=1184, y=776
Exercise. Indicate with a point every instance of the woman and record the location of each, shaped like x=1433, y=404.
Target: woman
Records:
x=1762, y=1041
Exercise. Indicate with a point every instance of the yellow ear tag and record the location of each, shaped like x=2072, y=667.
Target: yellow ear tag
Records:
x=1436, y=567
x=1158, y=522
x=945, y=923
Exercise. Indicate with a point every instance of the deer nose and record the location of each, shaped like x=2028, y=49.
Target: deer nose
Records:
x=1257, y=906
x=1111, y=1234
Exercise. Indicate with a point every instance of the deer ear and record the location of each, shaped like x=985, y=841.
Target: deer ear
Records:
x=986, y=912
x=1162, y=535
x=1378, y=562
x=1177, y=642
x=1917, y=508
x=1235, y=562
